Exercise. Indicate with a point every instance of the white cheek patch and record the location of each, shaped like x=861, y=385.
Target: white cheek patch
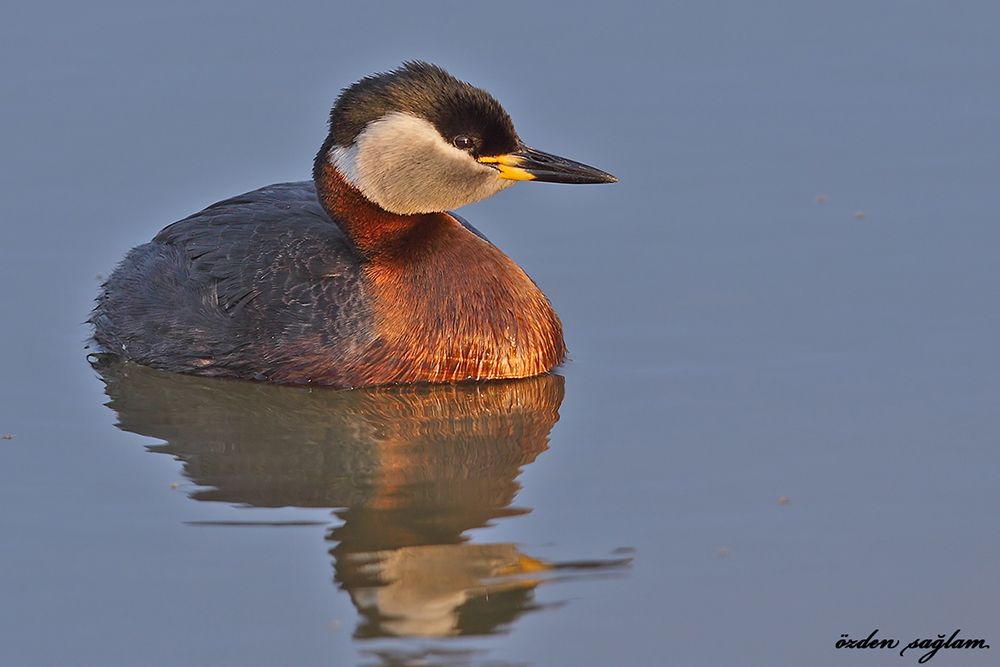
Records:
x=402, y=163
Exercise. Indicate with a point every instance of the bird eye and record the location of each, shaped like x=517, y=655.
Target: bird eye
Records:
x=463, y=142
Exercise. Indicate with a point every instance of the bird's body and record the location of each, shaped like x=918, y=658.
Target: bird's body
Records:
x=360, y=277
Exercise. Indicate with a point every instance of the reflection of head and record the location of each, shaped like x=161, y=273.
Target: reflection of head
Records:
x=441, y=590
x=415, y=467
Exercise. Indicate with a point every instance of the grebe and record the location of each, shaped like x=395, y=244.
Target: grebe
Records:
x=359, y=277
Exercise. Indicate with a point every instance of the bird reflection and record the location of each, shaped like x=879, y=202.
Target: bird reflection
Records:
x=413, y=468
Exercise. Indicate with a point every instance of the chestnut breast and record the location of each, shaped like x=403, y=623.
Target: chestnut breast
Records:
x=450, y=306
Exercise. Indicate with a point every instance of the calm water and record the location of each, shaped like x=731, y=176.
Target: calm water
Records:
x=780, y=420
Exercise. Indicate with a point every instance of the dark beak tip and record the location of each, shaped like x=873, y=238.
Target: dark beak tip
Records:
x=603, y=177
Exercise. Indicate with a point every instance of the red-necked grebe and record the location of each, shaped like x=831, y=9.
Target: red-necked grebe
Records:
x=359, y=277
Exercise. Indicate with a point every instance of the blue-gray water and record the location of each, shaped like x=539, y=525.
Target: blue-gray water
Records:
x=783, y=400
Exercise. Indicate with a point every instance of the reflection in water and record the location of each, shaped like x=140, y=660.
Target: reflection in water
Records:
x=414, y=468
x=432, y=657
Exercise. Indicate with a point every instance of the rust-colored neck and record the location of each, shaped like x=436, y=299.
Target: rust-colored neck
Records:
x=372, y=229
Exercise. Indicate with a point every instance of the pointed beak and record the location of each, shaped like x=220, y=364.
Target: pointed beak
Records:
x=528, y=164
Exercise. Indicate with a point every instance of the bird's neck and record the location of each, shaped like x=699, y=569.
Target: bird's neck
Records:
x=448, y=305
x=373, y=230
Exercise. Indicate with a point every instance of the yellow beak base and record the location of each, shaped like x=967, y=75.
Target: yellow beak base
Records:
x=508, y=167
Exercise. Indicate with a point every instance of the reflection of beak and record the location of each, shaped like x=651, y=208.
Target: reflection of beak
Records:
x=527, y=164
